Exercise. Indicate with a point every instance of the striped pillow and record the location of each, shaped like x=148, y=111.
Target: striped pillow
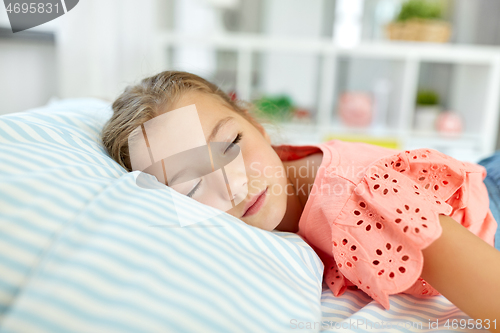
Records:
x=83, y=248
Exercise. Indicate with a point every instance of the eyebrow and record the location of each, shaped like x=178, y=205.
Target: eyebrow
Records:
x=217, y=127
x=215, y=130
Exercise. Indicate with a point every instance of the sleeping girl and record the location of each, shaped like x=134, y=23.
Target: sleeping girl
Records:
x=381, y=220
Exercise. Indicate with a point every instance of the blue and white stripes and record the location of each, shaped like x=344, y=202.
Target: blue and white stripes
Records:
x=356, y=312
x=83, y=248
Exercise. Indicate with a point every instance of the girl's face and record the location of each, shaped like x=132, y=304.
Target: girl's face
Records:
x=258, y=184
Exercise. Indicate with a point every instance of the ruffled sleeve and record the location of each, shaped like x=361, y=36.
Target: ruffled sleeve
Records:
x=392, y=214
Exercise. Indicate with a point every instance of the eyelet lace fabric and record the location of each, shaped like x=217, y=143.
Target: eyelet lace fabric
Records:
x=369, y=226
x=392, y=214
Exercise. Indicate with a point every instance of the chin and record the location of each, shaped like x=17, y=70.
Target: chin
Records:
x=277, y=215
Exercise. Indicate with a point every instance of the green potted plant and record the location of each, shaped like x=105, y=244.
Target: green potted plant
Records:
x=427, y=110
x=275, y=108
x=420, y=20
x=421, y=9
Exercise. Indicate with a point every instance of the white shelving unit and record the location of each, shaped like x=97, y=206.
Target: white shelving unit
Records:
x=474, y=88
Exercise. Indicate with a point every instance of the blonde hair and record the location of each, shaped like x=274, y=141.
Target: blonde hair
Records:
x=146, y=100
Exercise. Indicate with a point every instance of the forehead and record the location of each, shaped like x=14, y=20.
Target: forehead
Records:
x=186, y=124
x=211, y=108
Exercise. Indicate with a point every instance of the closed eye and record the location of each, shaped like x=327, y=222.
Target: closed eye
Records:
x=235, y=141
x=193, y=191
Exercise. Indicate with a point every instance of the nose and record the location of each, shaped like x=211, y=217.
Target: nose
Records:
x=237, y=179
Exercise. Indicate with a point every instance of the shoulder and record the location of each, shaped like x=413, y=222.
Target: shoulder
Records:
x=351, y=159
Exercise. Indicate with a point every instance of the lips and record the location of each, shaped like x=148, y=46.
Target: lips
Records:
x=255, y=204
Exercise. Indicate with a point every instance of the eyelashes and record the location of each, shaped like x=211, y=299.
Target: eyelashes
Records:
x=231, y=145
x=235, y=141
x=193, y=191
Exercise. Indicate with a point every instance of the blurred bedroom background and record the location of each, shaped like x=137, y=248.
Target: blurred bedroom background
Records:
x=402, y=74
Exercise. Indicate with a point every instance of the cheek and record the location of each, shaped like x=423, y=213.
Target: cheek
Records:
x=270, y=216
x=264, y=164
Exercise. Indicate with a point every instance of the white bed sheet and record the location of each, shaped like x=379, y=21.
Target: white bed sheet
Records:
x=355, y=311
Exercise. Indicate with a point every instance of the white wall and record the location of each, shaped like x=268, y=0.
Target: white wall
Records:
x=194, y=17
x=28, y=76
x=292, y=75
x=103, y=46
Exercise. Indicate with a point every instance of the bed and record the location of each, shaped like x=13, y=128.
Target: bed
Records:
x=84, y=249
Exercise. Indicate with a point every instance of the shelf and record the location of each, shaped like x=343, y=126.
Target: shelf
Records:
x=471, y=88
x=450, y=53
x=465, y=147
x=320, y=132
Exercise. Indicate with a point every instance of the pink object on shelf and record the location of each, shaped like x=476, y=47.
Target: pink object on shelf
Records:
x=356, y=109
x=449, y=123
x=301, y=115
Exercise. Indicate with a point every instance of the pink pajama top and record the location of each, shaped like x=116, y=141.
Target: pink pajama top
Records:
x=372, y=210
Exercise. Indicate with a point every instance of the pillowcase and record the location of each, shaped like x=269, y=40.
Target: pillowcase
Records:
x=83, y=248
